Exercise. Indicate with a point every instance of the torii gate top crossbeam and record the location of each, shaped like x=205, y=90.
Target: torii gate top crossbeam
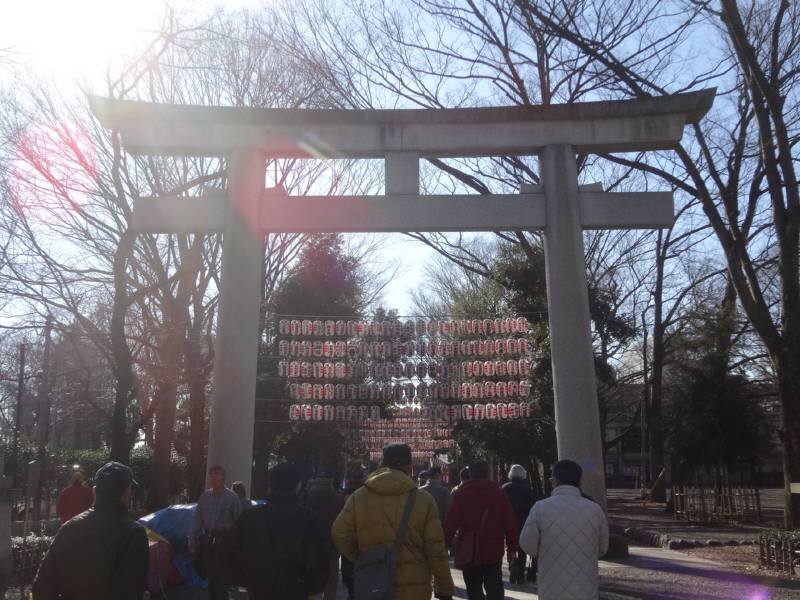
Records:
x=591, y=127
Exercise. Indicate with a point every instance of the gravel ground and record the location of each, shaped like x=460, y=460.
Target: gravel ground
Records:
x=658, y=574
x=649, y=573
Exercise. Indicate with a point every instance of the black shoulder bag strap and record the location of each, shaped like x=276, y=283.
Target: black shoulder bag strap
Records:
x=401, y=532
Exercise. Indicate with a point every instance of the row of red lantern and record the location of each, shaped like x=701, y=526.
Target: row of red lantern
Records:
x=409, y=392
x=415, y=445
x=296, y=369
x=412, y=434
x=419, y=327
x=451, y=413
x=386, y=349
x=418, y=456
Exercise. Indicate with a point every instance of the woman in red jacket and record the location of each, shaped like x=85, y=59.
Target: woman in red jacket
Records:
x=481, y=511
x=75, y=498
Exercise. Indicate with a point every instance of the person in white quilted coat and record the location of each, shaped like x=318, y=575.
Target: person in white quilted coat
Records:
x=568, y=532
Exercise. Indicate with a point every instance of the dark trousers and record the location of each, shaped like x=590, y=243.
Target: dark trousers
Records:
x=348, y=577
x=218, y=589
x=484, y=577
x=517, y=568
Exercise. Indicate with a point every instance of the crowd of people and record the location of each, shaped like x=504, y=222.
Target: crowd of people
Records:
x=387, y=536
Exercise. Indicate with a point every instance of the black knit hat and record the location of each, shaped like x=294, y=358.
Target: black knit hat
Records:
x=396, y=455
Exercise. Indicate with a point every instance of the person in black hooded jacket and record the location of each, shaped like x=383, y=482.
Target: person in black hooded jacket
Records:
x=283, y=545
x=102, y=553
x=522, y=498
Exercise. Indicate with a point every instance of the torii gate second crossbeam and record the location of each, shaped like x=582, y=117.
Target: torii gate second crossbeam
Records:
x=558, y=206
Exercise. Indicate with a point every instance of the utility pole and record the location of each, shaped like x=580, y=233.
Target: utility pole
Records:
x=39, y=467
x=18, y=417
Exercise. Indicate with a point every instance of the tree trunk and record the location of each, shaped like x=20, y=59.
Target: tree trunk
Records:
x=158, y=496
x=655, y=424
x=121, y=441
x=789, y=393
x=197, y=434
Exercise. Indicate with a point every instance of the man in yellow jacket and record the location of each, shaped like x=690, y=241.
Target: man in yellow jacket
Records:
x=372, y=516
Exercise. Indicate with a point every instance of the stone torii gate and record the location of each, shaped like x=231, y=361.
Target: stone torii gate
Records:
x=558, y=206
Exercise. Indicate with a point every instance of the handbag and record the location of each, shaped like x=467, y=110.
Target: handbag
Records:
x=374, y=569
x=467, y=548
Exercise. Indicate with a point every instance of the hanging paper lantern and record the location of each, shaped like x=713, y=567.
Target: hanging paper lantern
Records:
x=501, y=389
x=329, y=391
x=294, y=412
x=307, y=391
x=466, y=391
x=294, y=391
x=306, y=327
x=283, y=327
x=294, y=348
x=477, y=368
x=524, y=389
x=496, y=326
x=489, y=389
x=340, y=392
x=454, y=413
x=316, y=370
x=328, y=370
x=522, y=325
x=524, y=367
x=476, y=390
x=455, y=390
x=502, y=410
x=512, y=367
x=499, y=347
x=283, y=368
x=317, y=328
x=341, y=412
x=480, y=412
x=489, y=368
x=491, y=412
x=329, y=412
x=308, y=412
x=525, y=410
x=295, y=327
x=513, y=388
x=318, y=412
x=513, y=410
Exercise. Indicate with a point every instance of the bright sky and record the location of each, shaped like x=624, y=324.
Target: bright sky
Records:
x=80, y=37
x=76, y=40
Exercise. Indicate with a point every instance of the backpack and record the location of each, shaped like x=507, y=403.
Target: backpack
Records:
x=374, y=569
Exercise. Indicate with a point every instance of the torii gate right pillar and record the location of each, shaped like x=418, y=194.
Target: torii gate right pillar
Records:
x=574, y=387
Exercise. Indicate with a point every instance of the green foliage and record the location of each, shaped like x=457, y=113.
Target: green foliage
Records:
x=516, y=286
x=325, y=281
x=714, y=422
